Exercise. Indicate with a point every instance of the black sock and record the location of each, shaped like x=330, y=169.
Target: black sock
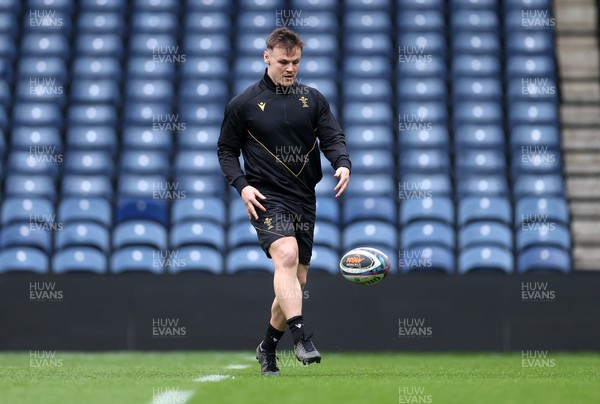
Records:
x=296, y=324
x=272, y=337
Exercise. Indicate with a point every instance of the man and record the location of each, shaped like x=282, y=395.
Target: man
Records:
x=278, y=123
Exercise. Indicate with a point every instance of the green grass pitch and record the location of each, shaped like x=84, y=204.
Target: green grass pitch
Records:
x=232, y=377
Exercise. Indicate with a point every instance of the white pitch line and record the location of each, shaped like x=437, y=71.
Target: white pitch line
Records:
x=172, y=397
x=237, y=366
x=212, y=378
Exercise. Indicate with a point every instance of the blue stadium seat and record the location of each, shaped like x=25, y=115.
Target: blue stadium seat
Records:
x=544, y=136
x=478, y=112
x=37, y=89
x=204, y=90
x=482, y=185
x=143, y=162
x=153, y=68
x=97, y=210
x=92, y=114
x=437, y=208
x=330, y=5
x=213, y=67
x=543, y=234
x=361, y=184
x=368, y=137
x=89, y=163
x=421, y=46
x=104, y=5
x=151, y=44
x=471, y=4
x=26, y=235
x=92, y=138
x=486, y=233
x=485, y=259
x=476, y=43
x=475, y=20
x=532, y=88
x=424, y=161
x=469, y=161
x=28, y=114
x=466, y=65
x=206, y=114
x=149, y=89
x=144, y=113
x=416, y=135
x=530, y=66
x=367, y=21
x=427, y=233
x=44, y=138
x=207, y=6
x=30, y=186
x=45, y=44
x=426, y=259
x=368, y=44
x=538, y=185
x=136, y=259
x=201, y=208
x=328, y=210
x=372, y=161
x=426, y=186
x=368, y=90
x=40, y=160
x=244, y=259
x=198, y=162
x=83, y=234
x=421, y=89
x=139, y=232
x=536, y=160
x=154, y=210
x=194, y=258
x=327, y=235
x=79, y=259
x=250, y=67
x=369, y=208
x=99, y=45
x=529, y=42
x=157, y=5
x=365, y=66
x=163, y=22
x=476, y=88
x=25, y=259
x=370, y=232
x=140, y=186
x=198, y=232
x=8, y=48
x=473, y=208
x=202, y=185
x=96, y=67
x=422, y=112
x=318, y=66
x=24, y=209
x=206, y=45
x=420, y=20
x=42, y=66
x=318, y=44
x=241, y=233
x=89, y=22
x=142, y=138
x=421, y=4
x=544, y=259
x=541, y=210
x=325, y=260
x=469, y=136
x=206, y=22
x=359, y=113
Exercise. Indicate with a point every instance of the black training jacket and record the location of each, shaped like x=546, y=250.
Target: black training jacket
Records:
x=279, y=131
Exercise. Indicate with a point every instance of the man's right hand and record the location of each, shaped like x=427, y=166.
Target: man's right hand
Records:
x=249, y=196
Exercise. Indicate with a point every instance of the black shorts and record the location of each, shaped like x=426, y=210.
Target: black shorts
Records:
x=286, y=219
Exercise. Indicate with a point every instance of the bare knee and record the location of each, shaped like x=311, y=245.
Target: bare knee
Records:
x=286, y=254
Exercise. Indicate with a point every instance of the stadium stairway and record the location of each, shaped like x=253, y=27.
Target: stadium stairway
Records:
x=577, y=36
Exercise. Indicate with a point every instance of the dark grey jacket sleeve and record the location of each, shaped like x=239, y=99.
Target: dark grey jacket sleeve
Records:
x=229, y=145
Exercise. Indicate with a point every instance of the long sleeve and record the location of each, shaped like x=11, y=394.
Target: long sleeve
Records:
x=231, y=140
x=331, y=138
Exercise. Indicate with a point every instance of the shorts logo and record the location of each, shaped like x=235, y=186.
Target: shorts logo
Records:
x=262, y=105
x=268, y=223
x=304, y=101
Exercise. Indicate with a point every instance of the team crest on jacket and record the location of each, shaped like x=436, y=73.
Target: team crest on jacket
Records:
x=304, y=101
x=268, y=223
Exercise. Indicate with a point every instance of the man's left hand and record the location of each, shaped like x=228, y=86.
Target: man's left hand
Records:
x=343, y=174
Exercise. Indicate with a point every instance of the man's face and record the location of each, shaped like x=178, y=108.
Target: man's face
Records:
x=283, y=66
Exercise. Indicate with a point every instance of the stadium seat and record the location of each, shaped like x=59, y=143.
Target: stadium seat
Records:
x=200, y=208
x=426, y=259
x=194, y=258
x=142, y=138
x=541, y=209
x=149, y=89
x=79, y=259
x=421, y=89
x=482, y=185
x=198, y=162
x=467, y=65
x=361, y=184
x=92, y=138
x=143, y=162
x=427, y=233
x=474, y=20
x=138, y=233
x=328, y=210
x=86, y=186
x=415, y=161
x=136, y=259
x=486, y=208
x=476, y=43
x=41, y=138
x=476, y=88
x=479, y=136
x=545, y=137
x=414, y=136
x=420, y=20
x=543, y=234
x=485, y=259
x=371, y=233
x=34, y=234
x=198, y=233
x=30, y=186
x=365, y=66
x=83, y=234
x=538, y=185
x=142, y=209
x=530, y=66
x=481, y=161
x=95, y=67
x=89, y=163
x=487, y=233
x=16, y=210
x=367, y=21
x=437, y=208
x=369, y=208
x=421, y=186
x=543, y=259
x=95, y=210
x=25, y=259
x=243, y=259
x=327, y=235
x=324, y=259
x=201, y=185
x=141, y=186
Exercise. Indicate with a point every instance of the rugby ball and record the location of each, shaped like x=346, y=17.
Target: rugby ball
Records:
x=364, y=265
